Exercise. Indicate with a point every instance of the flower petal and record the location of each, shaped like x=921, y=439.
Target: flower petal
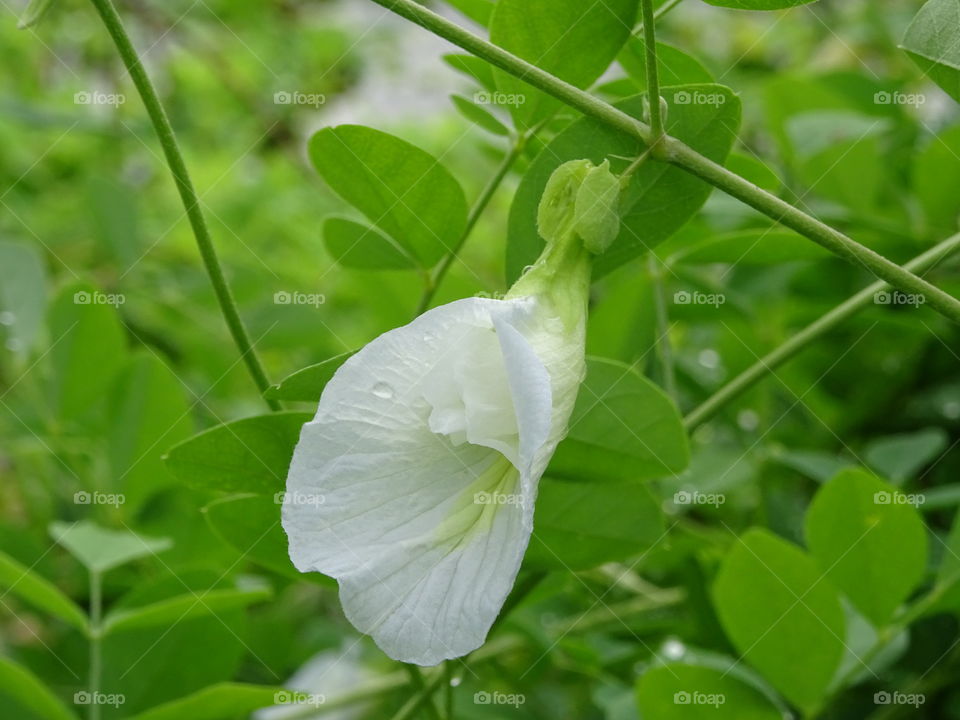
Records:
x=396, y=475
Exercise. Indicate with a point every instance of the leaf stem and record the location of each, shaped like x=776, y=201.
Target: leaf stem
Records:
x=653, y=72
x=671, y=150
x=664, y=350
x=798, y=341
x=476, y=211
x=96, y=647
x=188, y=195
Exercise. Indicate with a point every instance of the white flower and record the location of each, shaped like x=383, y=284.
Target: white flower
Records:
x=427, y=448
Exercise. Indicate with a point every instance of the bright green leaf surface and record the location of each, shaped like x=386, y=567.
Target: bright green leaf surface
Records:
x=101, y=549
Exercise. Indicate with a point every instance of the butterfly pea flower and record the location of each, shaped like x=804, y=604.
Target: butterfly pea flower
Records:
x=428, y=444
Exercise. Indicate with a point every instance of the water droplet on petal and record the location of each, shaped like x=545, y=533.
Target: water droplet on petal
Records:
x=382, y=390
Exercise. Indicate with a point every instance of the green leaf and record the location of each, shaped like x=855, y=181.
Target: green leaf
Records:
x=578, y=526
x=23, y=294
x=901, y=457
x=24, y=697
x=149, y=412
x=570, y=39
x=752, y=247
x=933, y=41
x=675, y=66
x=473, y=67
x=401, y=189
x=249, y=455
x=355, y=245
x=936, y=175
x=251, y=525
x=39, y=592
x=101, y=549
x=623, y=427
x=659, y=199
x=113, y=205
x=690, y=692
x=87, y=348
x=782, y=615
x=758, y=4
x=189, y=605
x=479, y=116
x=870, y=545
x=307, y=383
x=222, y=701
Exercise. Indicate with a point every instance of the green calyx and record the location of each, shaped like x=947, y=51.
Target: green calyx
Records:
x=583, y=199
x=579, y=218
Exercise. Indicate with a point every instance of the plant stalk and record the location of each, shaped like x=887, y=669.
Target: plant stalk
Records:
x=188, y=194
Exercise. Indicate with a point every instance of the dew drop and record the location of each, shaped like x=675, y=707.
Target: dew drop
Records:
x=674, y=649
x=382, y=390
x=455, y=681
x=709, y=359
x=7, y=318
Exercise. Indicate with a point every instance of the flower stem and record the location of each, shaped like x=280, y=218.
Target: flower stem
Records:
x=475, y=212
x=188, y=195
x=653, y=73
x=798, y=341
x=671, y=150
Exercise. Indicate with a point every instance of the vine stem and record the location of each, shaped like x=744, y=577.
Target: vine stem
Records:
x=672, y=150
x=188, y=195
x=798, y=341
x=653, y=71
